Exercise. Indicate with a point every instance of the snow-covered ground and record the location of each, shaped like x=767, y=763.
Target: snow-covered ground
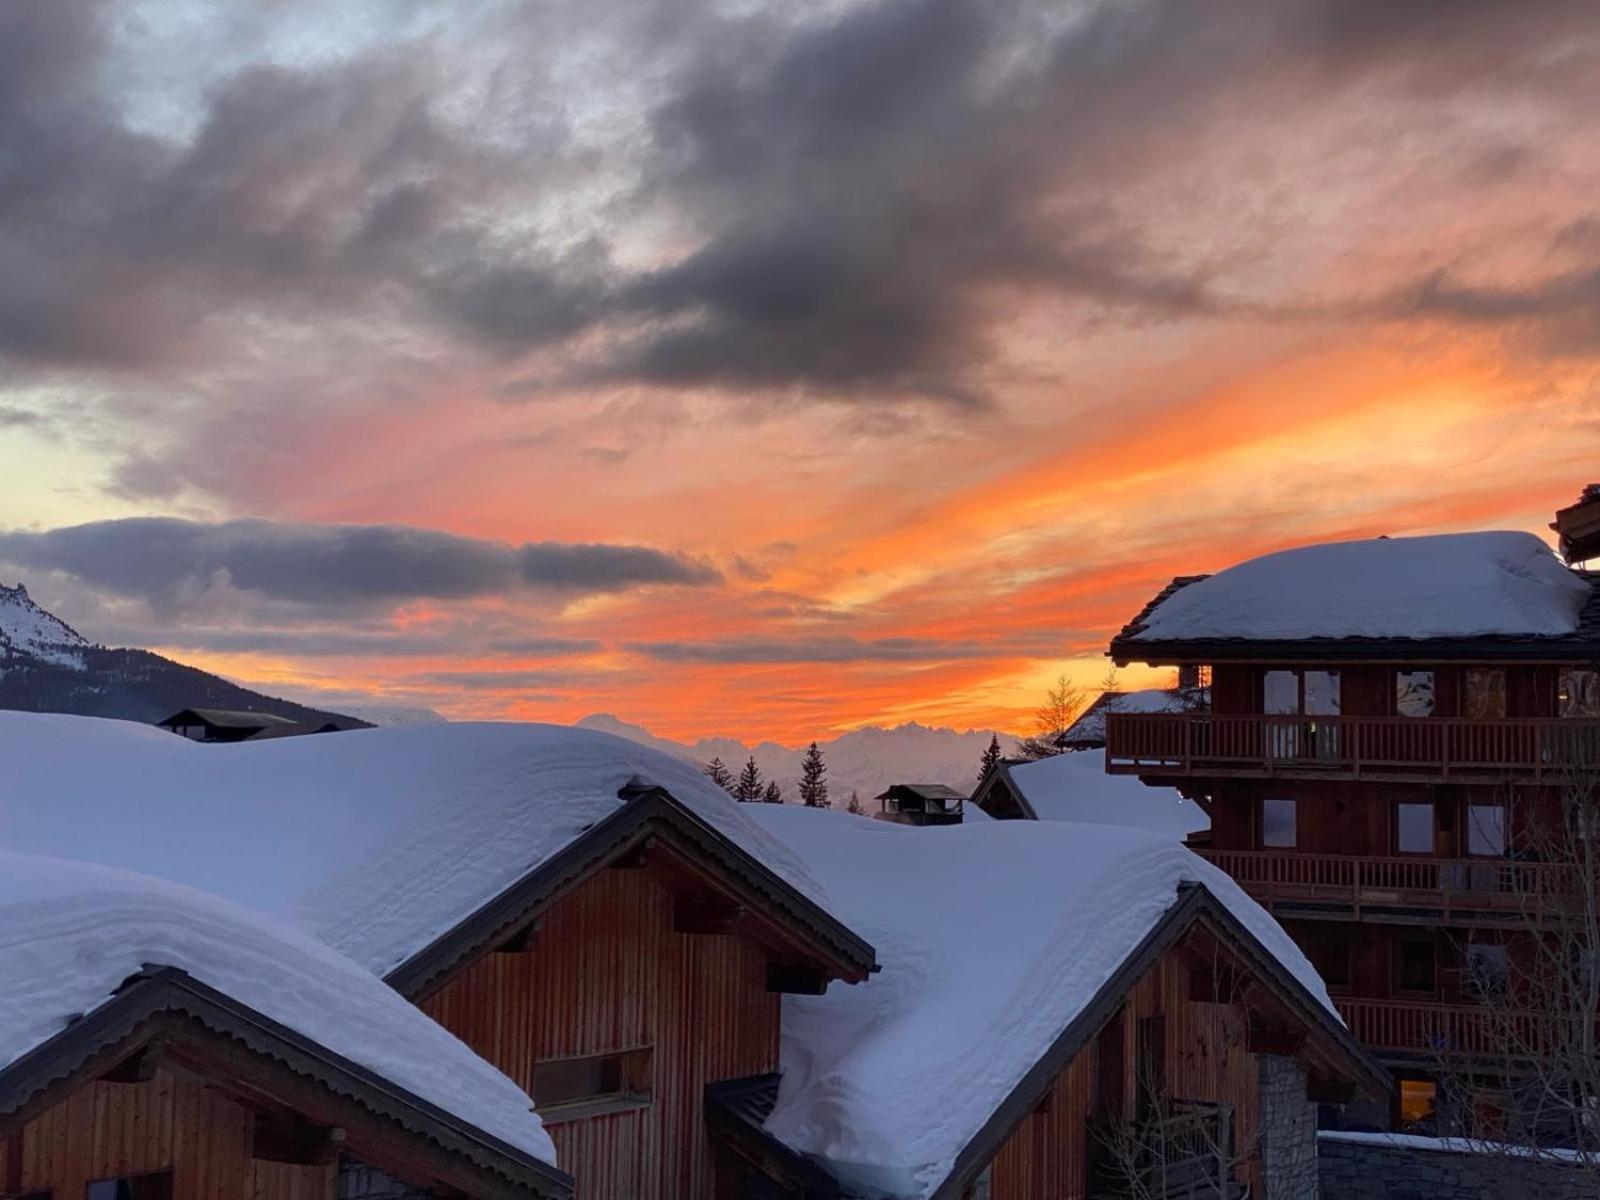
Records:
x=1075, y=787
x=377, y=840
x=889, y=1079
x=26, y=629
x=1449, y=585
x=70, y=934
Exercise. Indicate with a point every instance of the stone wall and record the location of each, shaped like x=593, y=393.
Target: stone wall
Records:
x=1288, y=1132
x=1366, y=1170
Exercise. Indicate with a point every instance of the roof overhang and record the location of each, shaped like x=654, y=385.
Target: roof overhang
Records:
x=226, y=1042
x=774, y=910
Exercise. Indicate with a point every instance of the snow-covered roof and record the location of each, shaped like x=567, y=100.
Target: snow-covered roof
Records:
x=71, y=933
x=887, y=1081
x=1445, y=586
x=377, y=841
x=1090, y=728
x=1075, y=787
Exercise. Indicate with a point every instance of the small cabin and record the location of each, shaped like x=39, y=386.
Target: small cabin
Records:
x=921, y=804
x=233, y=725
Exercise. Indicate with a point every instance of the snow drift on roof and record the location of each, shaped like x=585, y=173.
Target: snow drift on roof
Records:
x=1091, y=726
x=888, y=1080
x=1452, y=585
x=1075, y=787
x=70, y=934
x=377, y=840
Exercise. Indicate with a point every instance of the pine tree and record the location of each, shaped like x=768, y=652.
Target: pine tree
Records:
x=773, y=794
x=813, y=787
x=750, y=783
x=855, y=805
x=717, y=771
x=991, y=758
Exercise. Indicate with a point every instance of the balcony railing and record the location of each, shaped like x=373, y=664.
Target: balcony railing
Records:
x=1527, y=749
x=1427, y=1029
x=1435, y=888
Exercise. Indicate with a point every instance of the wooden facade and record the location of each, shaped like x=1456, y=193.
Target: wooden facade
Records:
x=1205, y=1057
x=1387, y=832
x=607, y=970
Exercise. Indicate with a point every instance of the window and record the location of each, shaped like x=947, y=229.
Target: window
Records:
x=1413, y=693
x=1413, y=828
x=157, y=1185
x=1580, y=693
x=1486, y=830
x=1416, y=1101
x=1280, y=692
x=1484, y=694
x=1278, y=824
x=594, y=1083
x=1417, y=966
x=1488, y=969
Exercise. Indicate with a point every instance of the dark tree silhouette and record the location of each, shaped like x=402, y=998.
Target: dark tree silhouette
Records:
x=855, y=805
x=813, y=787
x=717, y=771
x=773, y=794
x=991, y=758
x=750, y=783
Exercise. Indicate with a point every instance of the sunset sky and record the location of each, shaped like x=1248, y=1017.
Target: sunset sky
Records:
x=767, y=369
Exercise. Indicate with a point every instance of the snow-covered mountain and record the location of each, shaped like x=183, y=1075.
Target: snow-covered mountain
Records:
x=28, y=632
x=864, y=760
x=47, y=666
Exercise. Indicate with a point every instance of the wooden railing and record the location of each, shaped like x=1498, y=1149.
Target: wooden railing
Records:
x=1431, y=1029
x=1199, y=743
x=1440, y=888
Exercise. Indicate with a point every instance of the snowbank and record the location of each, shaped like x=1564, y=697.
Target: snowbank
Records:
x=1452, y=585
x=1075, y=787
x=71, y=933
x=992, y=939
x=377, y=841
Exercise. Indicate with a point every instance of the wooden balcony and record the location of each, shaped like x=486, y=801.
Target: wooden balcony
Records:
x=1399, y=890
x=1426, y=749
x=1422, y=1030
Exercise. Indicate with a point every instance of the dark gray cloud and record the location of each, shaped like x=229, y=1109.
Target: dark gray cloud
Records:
x=335, y=643
x=164, y=560
x=835, y=650
x=1564, y=309
x=850, y=200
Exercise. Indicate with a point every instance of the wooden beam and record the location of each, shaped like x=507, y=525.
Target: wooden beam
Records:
x=632, y=859
x=522, y=941
x=705, y=915
x=139, y=1067
x=796, y=979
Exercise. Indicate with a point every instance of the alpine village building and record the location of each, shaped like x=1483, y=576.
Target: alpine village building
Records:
x=672, y=977
x=1390, y=728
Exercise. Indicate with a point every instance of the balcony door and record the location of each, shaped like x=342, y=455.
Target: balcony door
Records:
x=1304, y=694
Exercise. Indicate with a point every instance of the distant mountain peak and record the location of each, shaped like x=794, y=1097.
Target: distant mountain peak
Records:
x=28, y=631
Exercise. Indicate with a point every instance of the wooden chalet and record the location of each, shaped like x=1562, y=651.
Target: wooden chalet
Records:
x=622, y=978
x=232, y=725
x=921, y=804
x=1192, y=1070
x=1376, y=794
x=168, y=1088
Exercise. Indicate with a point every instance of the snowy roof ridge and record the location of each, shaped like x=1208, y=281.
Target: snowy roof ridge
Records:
x=1477, y=589
x=73, y=936
x=889, y=1083
x=1075, y=786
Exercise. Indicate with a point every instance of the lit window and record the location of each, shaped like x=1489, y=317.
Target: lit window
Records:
x=1413, y=693
x=1484, y=694
x=1580, y=693
x=1416, y=1101
x=1278, y=823
x=1414, y=828
x=157, y=1185
x=1486, y=830
x=596, y=1082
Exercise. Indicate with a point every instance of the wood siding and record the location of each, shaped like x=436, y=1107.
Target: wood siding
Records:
x=109, y=1130
x=606, y=971
x=1048, y=1155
